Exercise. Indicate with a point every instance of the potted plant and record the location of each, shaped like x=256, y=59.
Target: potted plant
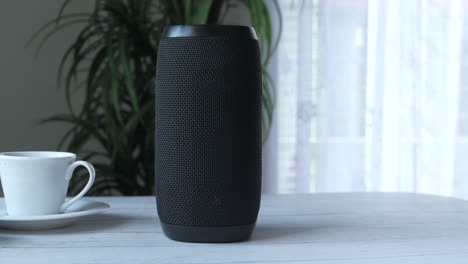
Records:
x=112, y=59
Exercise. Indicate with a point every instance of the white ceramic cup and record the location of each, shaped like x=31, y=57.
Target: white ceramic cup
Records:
x=36, y=182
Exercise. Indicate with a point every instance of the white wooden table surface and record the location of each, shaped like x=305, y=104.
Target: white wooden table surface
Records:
x=370, y=228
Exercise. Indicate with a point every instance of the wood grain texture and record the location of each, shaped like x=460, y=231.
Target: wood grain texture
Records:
x=315, y=228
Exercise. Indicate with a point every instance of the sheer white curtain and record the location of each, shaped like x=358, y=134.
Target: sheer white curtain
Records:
x=371, y=96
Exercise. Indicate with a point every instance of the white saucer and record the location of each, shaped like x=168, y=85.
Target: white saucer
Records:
x=76, y=211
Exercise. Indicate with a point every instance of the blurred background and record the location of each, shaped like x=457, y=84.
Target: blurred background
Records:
x=358, y=95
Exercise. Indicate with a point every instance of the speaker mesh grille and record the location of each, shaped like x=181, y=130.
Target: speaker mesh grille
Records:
x=208, y=131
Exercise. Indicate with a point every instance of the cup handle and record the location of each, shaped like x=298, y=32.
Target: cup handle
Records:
x=92, y=176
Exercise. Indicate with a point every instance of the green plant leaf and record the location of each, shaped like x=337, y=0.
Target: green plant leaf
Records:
x=53, y=23
x=201, y=11
x=54, y=30
x=280, y=25
x=187, y=11
x=72, y=120
x=174, y=11
x=128, y=79
x=114, y=91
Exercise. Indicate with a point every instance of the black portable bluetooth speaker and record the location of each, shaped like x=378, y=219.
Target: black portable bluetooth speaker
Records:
x=208, y=132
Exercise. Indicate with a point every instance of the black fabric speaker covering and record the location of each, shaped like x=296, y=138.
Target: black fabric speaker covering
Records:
x=208, y=130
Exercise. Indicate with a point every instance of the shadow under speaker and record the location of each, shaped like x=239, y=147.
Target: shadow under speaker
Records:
x=208, y=133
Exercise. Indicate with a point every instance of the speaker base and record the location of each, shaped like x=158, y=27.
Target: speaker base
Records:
x=202, y=234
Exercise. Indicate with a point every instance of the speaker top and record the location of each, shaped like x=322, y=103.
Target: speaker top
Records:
x=208, y=31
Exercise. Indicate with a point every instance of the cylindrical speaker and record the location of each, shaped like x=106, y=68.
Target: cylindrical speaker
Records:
x=208, y=141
